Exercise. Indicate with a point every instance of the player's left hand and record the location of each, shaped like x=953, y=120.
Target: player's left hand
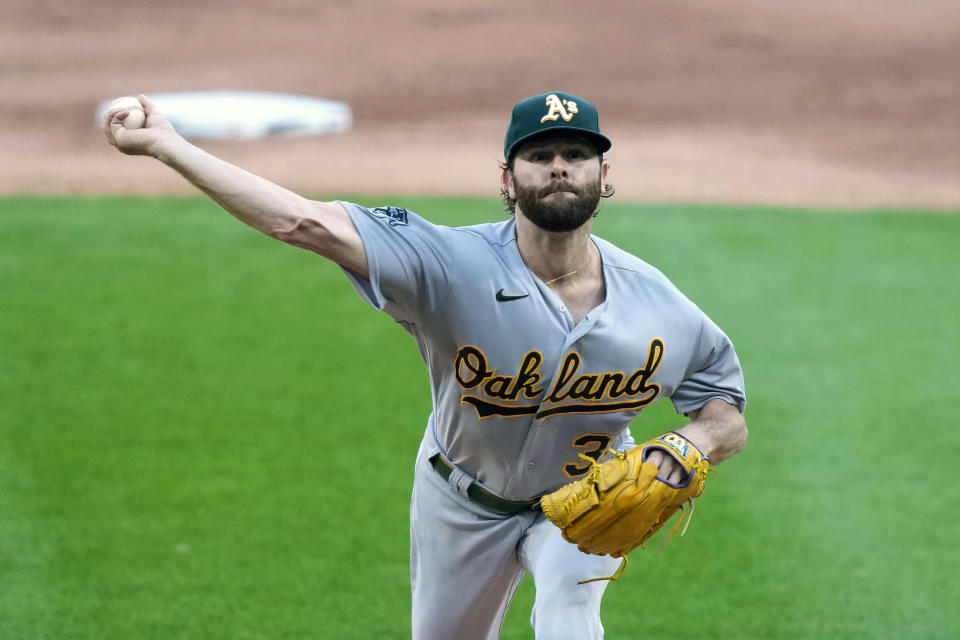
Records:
x=670, y=470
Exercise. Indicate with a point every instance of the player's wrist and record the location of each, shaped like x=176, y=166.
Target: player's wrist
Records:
x=697, y=439
x=168, y=148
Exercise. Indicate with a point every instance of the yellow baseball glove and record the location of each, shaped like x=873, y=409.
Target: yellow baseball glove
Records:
x=621, y=502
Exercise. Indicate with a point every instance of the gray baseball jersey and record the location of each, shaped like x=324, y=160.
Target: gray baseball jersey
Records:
x=518, y=389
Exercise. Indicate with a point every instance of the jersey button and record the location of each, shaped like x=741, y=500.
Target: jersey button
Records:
x=531, y=465
x=561, y=307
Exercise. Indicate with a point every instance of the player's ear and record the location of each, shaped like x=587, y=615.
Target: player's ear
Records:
x=607, y=188
x=506, y=179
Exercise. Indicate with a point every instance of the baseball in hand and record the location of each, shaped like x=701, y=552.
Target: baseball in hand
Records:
x=136, y=118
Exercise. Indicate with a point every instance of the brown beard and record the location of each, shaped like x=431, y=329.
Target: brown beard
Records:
x=566, y=215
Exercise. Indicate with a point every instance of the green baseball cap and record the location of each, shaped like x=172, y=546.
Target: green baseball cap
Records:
x=554, y=111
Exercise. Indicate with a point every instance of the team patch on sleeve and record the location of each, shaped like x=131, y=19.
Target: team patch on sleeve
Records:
x=393, y=215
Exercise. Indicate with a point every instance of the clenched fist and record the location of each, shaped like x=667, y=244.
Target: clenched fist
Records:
x=143, y=141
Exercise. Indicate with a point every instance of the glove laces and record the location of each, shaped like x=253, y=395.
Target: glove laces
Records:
x=703, y=464
x=613, y=578
x=593, y=476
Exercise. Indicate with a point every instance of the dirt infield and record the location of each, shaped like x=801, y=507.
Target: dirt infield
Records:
x=740, y=101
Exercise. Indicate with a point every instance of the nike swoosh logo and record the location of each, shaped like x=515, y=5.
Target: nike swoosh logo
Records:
x=503, y=298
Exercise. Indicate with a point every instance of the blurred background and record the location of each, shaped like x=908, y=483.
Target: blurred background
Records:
x=813, y=102
x=206, y=434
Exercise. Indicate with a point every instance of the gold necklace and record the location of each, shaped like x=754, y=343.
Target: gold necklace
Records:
x=549, y=282
x=567, y=275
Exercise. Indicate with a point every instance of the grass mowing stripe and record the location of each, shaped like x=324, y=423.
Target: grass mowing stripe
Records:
x=186, y=407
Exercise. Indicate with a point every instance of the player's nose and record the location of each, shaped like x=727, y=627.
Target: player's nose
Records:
x=559, y=169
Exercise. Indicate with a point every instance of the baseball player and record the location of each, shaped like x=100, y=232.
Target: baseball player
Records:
x=542, y=343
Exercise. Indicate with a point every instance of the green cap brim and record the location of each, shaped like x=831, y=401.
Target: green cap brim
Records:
x=600, y=141
x=553, y=112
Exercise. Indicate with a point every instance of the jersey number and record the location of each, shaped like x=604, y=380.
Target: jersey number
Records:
x=592, y=445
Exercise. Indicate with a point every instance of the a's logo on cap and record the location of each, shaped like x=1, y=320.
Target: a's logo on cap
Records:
x=559, y=109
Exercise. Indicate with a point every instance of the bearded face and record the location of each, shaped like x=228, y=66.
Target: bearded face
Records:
x=559, y=207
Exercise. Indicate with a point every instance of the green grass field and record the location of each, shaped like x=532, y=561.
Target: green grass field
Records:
x=205, y=433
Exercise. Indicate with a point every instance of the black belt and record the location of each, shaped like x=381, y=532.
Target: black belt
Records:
x=481, y=496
